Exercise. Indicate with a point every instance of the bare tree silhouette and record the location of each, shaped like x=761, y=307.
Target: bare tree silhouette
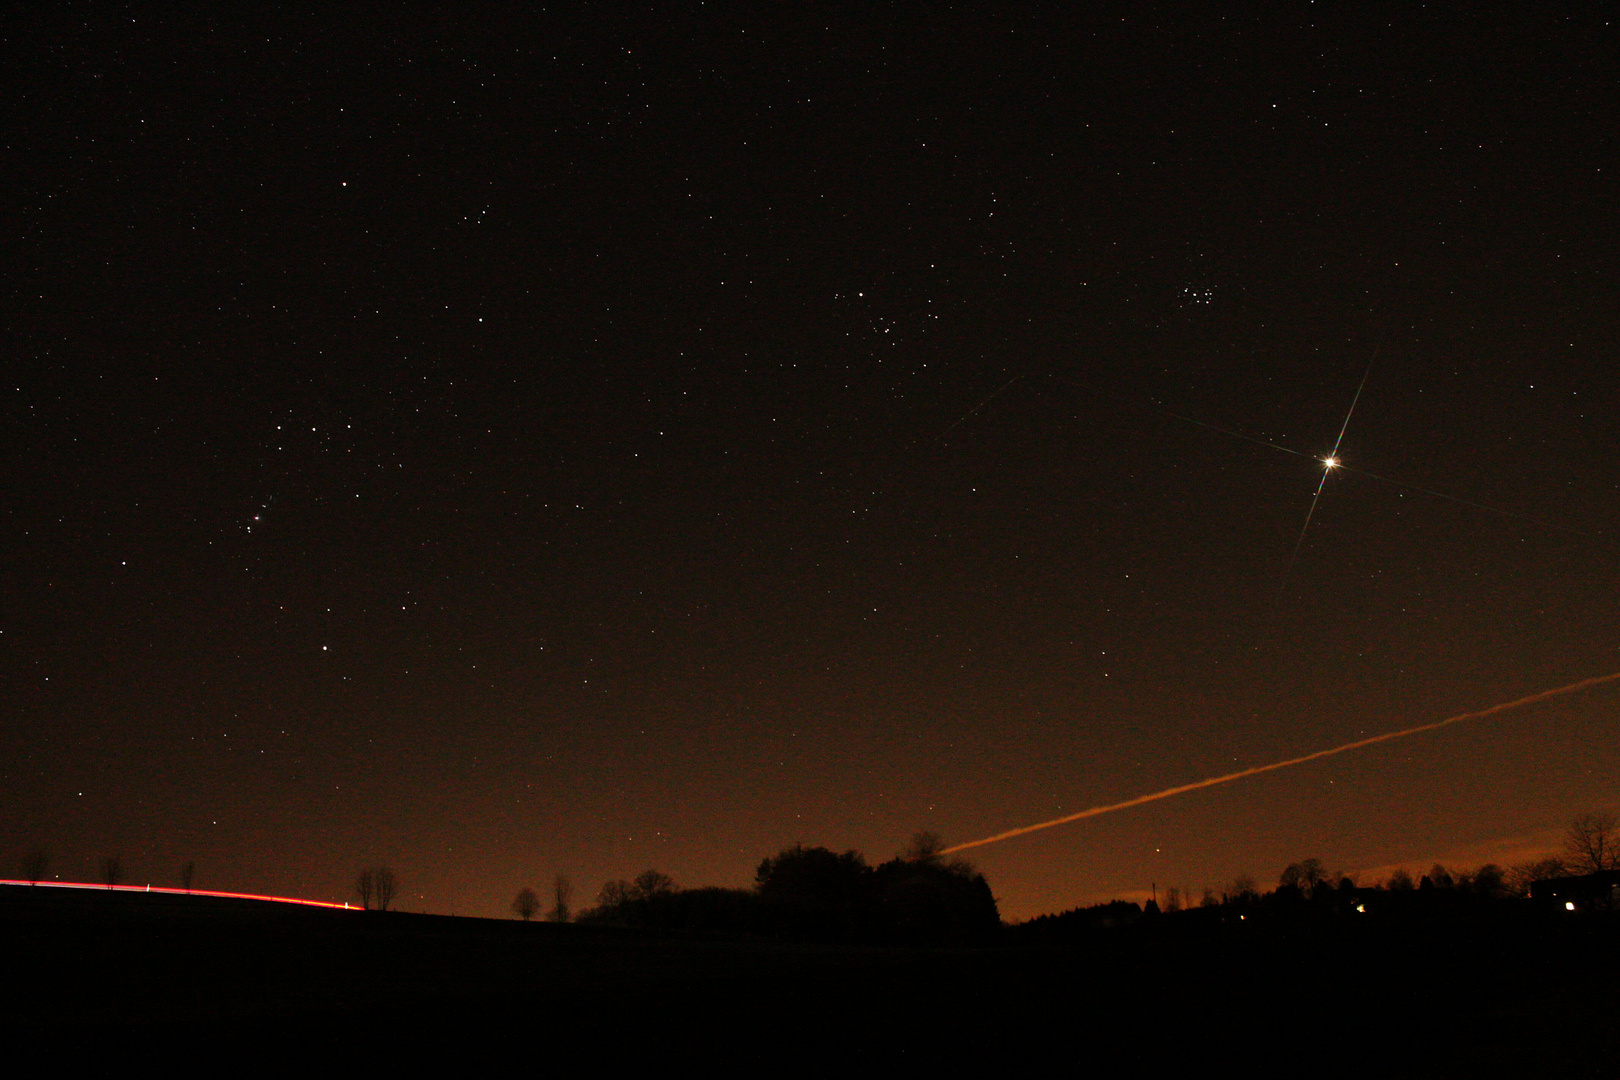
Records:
x=1521, y=876
x=386, y=884
x=652, y=883
x=526, y=904
x=1302, y=875
x=1592, y=844
x=376, y=888
x=112, y=870
x=188, y=874
x=34, y=865
x=562, y=891
x=648, y=900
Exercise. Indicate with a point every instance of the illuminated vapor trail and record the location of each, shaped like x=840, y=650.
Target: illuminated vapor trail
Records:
x=1214, y=781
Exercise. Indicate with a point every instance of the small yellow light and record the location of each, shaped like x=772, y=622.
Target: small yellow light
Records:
x=1569, y=905
x=1331, y=462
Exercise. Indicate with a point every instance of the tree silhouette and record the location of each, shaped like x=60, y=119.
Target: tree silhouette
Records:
x=814, y=874
x=925, y=847
x=188, y=874
x=1523, y=875
x=526, y=904
x=650, y=900
x=921, y=898
x=1302, y=876
x=816, y=892
x=376, y=888
x=613, y=895
x=1401, y=881
x=1591, y=844
x=1243, y=890
x=34, y=865
x=112, y=870
x=1489, y=880
x=562, y=891
x=651, y=884
x=386, y=884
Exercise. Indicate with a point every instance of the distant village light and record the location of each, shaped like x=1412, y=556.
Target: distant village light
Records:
x=1569, y=905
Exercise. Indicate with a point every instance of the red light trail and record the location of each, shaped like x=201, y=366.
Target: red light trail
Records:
x=181, y=892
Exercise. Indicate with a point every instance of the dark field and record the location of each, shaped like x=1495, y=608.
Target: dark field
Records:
x=203, y=984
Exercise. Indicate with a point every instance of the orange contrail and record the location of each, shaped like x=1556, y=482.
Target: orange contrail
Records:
x=1229, y=777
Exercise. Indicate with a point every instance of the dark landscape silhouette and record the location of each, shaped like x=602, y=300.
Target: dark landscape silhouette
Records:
x=1458, y=971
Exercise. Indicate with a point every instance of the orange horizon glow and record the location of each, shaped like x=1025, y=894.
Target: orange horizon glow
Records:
x=1214, y=781
x=181, y=892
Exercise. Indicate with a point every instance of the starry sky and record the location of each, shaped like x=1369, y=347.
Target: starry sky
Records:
x=577, y=442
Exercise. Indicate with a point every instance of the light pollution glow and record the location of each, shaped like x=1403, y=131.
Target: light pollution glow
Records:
x=1215, y=781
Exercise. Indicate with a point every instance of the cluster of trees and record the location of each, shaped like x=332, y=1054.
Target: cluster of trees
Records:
x=1591, y=845
x=1310, y=879
x=527, y=903
x=814, y=893
x=376, y=888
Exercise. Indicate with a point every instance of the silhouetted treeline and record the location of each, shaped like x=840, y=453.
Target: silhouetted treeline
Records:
x=816, y=894
x=1097, y=917
x=1583, y=879
x=1304, y=895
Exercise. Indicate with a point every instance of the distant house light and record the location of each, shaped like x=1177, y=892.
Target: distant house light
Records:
x=1569, y=905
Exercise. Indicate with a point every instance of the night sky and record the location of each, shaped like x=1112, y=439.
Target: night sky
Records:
x=501, y=447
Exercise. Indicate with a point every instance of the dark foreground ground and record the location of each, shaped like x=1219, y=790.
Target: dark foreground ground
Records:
x=198, y=985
